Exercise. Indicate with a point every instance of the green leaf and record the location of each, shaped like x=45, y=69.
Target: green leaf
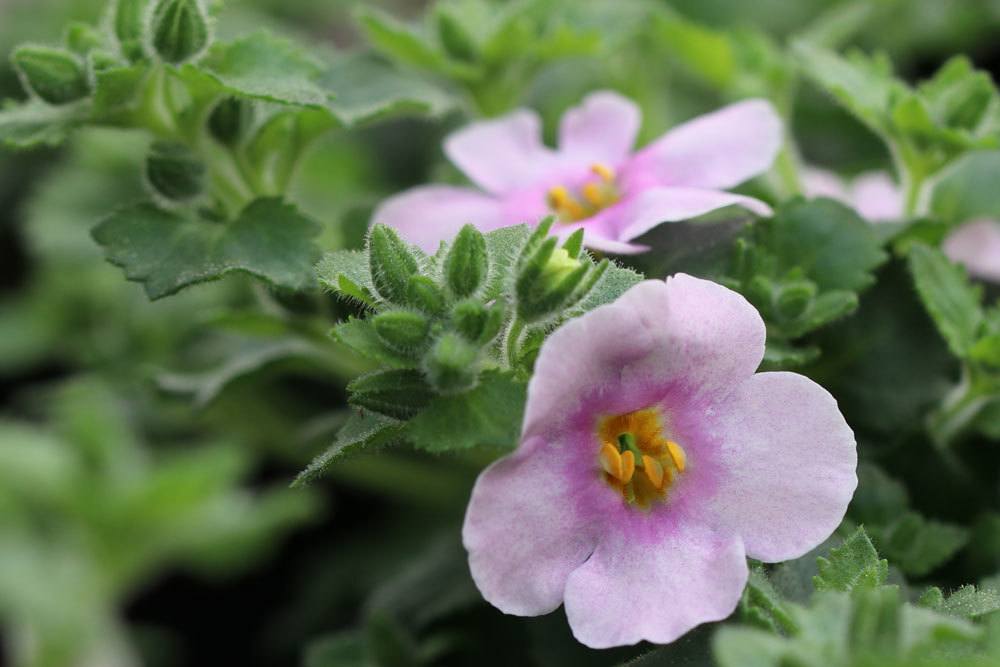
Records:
x=34, y=124
x=615, y=281
x=396, y=393
x=966, y=602
x=761, y=604
x=489, y=415
x=951, y=300
x=266, y=67
x=854, y=564
x=166, y=251
x=344, y=649
x=404, y=45
x=364, y=429
x=360, y=336
x=828, y=241
x=917, y=545
x=879, y=499
x=364, y=90
x=502, y=246
x=968, y=189
x=346, y=273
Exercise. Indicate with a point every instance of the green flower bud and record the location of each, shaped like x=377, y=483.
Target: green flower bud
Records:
x=495, y=317
x=180, y=30
x=397, y=393
x=466, y=264
x=402, y=330
x=451, y=365
x=230, y=120
x=455, y=39
x=174, y=171
x=101, y=60
x=82, y=38
x=55, y=75
x=548, y=279
x=127, y=24
x=424, y=293
x=391, y=262
x=469, y=318
x=793, y=299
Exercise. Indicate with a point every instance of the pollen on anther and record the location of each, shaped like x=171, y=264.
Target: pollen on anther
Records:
x=628, y=467
x=611, y=460
x=654, y=471
x=677, y=455
x=603, y=171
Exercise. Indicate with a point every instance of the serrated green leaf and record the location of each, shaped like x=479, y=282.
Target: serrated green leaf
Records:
x=615, y=281
x=761, y=604
x=166, y=252
x=364, y=90
x=364, y=429
x=489, y=415
x=966, y=602
x=502, y=246
x=854, y=564
x=34, y=124
x=949, y=296
x=263, y=66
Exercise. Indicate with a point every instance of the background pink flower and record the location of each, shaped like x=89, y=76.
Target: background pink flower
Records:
x=593, y=181
x=733, y=464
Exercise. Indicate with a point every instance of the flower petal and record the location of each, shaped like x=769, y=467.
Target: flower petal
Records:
x=602, y=129
x=822, y=183
x=790, y=461
x=685, y=330
x=648, y=209
x=504, y=154
x=427, y=215
x=976, y=245
x=718, y=150
x=877, y=197
x=629, y=591
x=522, y=536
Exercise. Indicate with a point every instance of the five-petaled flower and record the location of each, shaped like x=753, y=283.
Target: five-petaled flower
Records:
x=974, y=244
x=593, y=181
x=652, y=462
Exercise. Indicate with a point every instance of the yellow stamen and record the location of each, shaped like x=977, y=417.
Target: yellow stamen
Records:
x=592, y=193
x=677, y=455
x=654, y=471
x=611, y=460
x=628, y=467
x=603, y=171
x=565, y=205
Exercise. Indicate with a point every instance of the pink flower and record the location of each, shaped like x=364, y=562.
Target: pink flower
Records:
x=976, y=245
x=593, y=181
x=874, y=195
x=652, y=462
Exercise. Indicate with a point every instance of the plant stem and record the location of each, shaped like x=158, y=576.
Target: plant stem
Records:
x=960, y=408
x=513, y=340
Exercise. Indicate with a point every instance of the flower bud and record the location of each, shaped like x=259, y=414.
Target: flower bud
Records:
x=494, y=323
x=127, y=24
x=547, y=279
x=451, y=365
x=179, y=30
x=397, y=393
x=402, y=330
x=391, y=263
x=174, y=171
x=230, y=120
x=55, y=75
x=466, y=264
x=82, y=38
x=794, y=298
x=424, y=293
x=469, y=318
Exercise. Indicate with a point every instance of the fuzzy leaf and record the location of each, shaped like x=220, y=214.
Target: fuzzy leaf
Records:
x=966, y=602
x=488, y=415
x=166, y=252
x=917, y=545
x=346, y=273
x=949, y=297
x=34, y=124
x=360, y=336
x=362, y=429
x=854, y=564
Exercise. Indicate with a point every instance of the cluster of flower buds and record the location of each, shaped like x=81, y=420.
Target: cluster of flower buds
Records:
x=482, y=301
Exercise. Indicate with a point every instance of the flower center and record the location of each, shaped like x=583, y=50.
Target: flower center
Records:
x=637, y=460
x=594, y=195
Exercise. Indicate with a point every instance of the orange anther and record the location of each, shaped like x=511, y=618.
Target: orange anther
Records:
x=677, y=455
x=628, y=467
x=654, y=471
x=605, y=172
x=611, y=460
